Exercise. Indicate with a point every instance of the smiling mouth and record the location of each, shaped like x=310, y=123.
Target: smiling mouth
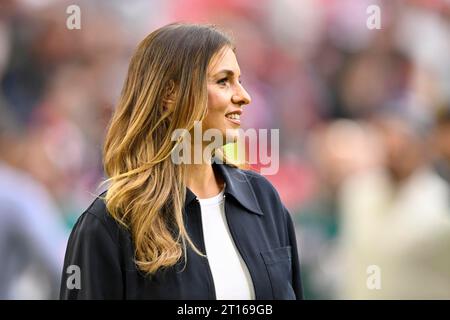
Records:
x=234, y=118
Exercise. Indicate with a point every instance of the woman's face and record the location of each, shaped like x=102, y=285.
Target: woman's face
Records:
x=226, y=95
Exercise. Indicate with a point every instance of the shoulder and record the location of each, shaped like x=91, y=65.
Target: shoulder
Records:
x=96, y=221
x=97, y=209
x=256, y=178
x=254, y=191
x=261, y=186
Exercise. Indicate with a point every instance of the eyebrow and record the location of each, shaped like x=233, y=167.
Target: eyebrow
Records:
x=226, y=71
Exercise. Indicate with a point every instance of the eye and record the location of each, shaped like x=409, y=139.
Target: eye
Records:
x=223, y=81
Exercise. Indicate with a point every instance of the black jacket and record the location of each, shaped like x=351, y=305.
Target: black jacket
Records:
x=260, y=225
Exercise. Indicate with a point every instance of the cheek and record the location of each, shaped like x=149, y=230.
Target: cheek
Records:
x=217, y=106
x=217, y=102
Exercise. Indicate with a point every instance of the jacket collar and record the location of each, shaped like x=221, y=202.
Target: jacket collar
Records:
x=237, y=186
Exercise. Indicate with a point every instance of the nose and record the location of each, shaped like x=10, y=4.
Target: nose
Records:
x=241, y=96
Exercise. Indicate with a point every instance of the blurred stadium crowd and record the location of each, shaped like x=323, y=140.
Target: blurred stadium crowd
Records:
x=364, y=119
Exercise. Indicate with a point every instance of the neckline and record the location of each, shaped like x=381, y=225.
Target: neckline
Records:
x=214, y=199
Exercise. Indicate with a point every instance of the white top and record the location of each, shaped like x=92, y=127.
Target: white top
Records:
x=230, y=274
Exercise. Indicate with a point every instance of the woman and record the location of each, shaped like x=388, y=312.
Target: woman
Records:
x=180, y=231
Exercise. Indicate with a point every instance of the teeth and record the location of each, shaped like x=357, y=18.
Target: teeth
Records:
x=234, y=116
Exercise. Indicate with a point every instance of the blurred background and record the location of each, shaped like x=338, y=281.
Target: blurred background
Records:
x=364, y=119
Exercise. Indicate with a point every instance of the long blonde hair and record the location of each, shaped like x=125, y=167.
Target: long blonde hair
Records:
x=147, y=190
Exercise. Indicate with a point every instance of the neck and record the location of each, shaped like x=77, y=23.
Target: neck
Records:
x=202, y=180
